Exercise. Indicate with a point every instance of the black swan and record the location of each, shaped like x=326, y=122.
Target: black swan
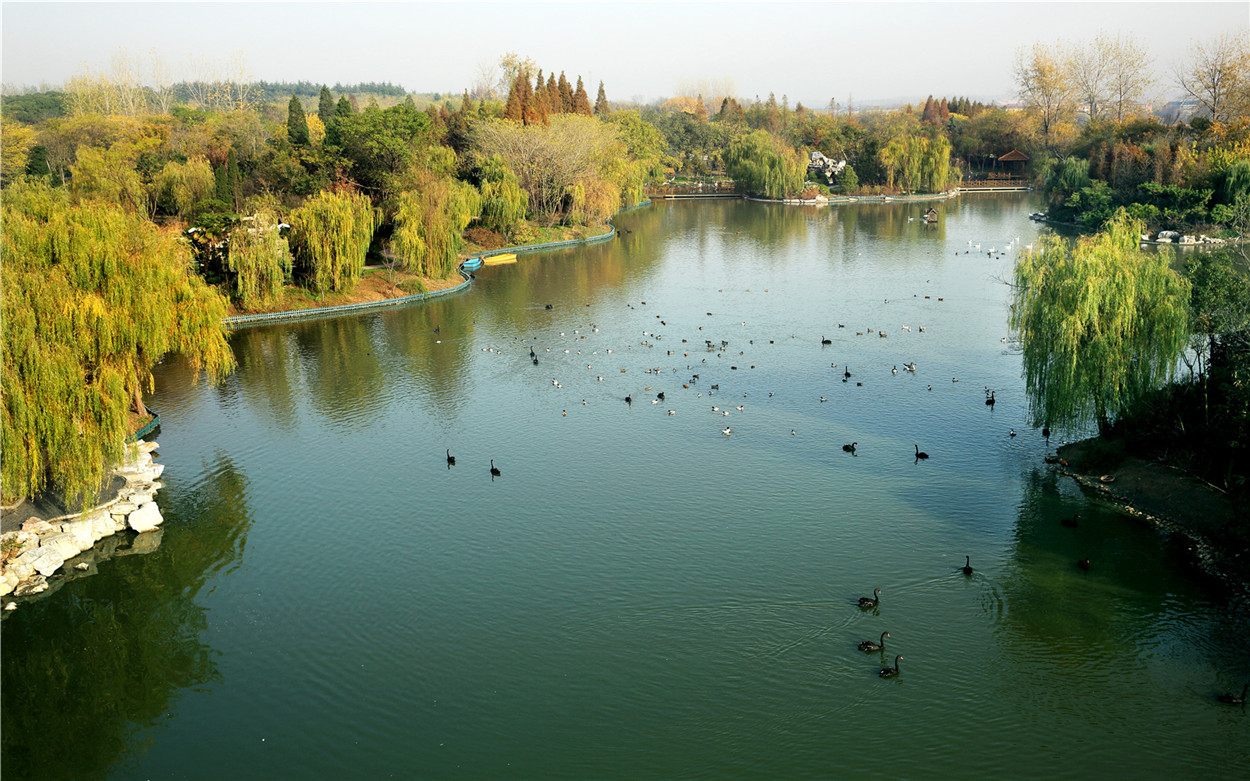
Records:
x=990, y=401
x=866, y=602
x=494, y=470
x=920, y=453
x=890, y=672
x=823, y=340
x=967, y=565
x=1070, y=522
x=851, y=447
x=1083, y=564
x=451, y=460
x=869, y=646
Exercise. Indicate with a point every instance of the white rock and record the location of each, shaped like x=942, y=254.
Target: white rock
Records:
x=157, y=470
x=7, y=584
x=47, y=560
x=37, y=526
x=82, y=529
x=148, y=447
x=140, y=498
x=146, y=518
x=66, y=545
x=102, y=525
x=123, y=508
x=23, y=566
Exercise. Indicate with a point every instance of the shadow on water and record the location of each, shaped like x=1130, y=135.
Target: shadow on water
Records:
x=89, y=674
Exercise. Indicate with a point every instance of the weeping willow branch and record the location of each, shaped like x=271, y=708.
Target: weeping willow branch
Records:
x=1100, y=324
x=93, y=297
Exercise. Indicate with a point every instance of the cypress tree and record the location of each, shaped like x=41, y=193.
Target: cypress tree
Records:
x=602, y=109
x=325, y=106
x=555, y=105
x=233, y=179
x=221, y=190
x=566, y=94
x=515, y=108
x=581, y=101
x=700, y=109
x=296, y=122
x=409, y=102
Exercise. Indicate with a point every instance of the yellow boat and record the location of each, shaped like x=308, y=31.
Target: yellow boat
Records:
x=495, y=260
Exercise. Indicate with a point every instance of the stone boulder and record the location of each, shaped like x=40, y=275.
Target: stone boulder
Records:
x=66, y=545
x=45, y=560
x=147, y=518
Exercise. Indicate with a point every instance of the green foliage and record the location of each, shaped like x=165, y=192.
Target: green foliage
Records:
x=109, y=175
x=182, y=185
x=259, y=260
x=383, y=144
x=93, y=297
x=1237, y=181
x=640, y=162
x=325, y=106
x=330, y=235
x=503, y=200
x=1101, y=324
x=1095, y=204
x=918, y=161
x=762, y=165
x=1066, y=179
x=849, y=180
x=430, y=222
x=1177, y=205
x=34, y=107
x=296, y=122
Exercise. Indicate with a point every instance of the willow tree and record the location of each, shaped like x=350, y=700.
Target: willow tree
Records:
x=330, y=235
x=429, y=223
x=763, y=165
x=919, y=161
x=93, y=296
x=1101, y=324
x=260, y=260
x=180, y=186
x=503, y=200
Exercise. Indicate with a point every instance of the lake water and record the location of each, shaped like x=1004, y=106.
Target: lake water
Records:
x=637, y=595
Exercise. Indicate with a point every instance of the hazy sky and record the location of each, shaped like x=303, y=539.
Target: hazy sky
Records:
x=809, y=51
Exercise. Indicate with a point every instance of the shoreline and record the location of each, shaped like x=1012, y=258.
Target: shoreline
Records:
x=1168, y=500
x=310, y=313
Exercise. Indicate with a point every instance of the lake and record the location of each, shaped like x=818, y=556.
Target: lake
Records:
x=637, y=594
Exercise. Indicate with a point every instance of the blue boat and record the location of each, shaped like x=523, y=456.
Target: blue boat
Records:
x=472, y=264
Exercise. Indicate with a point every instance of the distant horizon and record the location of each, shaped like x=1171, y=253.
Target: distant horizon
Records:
x=879, y=55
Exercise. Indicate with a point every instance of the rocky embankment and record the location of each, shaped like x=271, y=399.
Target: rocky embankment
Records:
x=40, y=548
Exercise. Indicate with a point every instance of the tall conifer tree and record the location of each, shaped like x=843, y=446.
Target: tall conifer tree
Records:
x=325, y=106
x=602, y=109
x=581, y=101
x=296, y=122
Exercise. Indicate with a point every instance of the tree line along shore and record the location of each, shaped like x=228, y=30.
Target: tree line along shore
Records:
x=136, y=217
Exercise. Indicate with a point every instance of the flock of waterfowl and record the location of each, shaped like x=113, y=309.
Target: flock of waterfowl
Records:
x=720, y=349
